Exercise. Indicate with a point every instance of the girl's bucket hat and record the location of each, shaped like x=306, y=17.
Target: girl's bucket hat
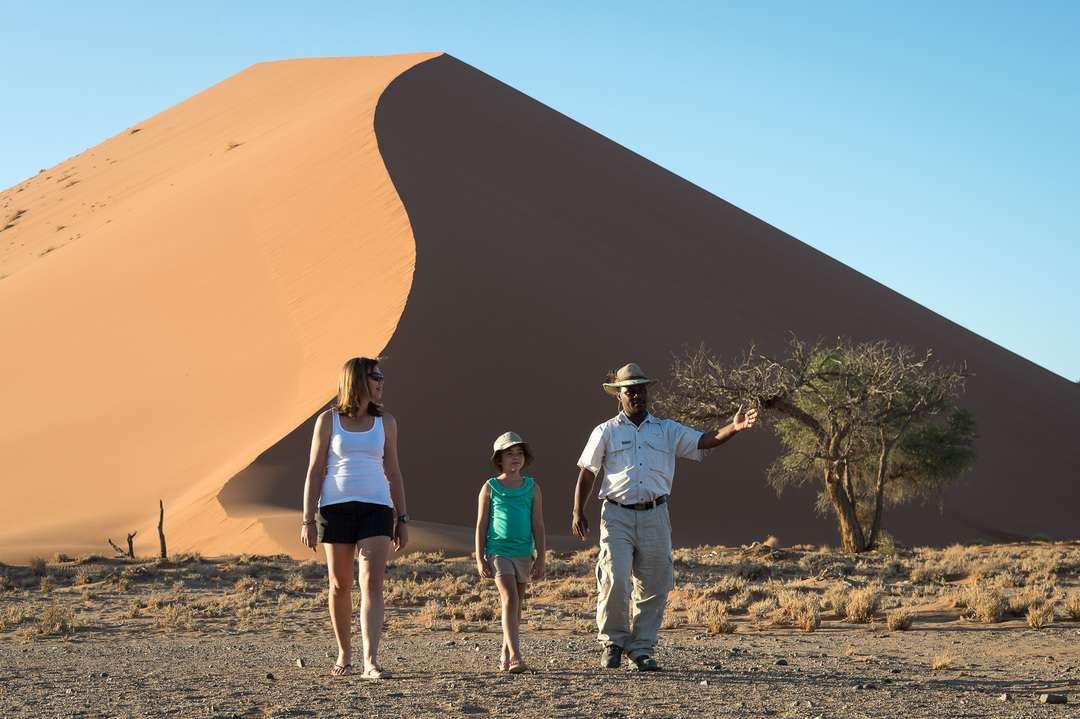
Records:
x=506, y=441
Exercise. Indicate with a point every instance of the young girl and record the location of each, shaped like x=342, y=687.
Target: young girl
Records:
x=354, y=503
x=509, y=534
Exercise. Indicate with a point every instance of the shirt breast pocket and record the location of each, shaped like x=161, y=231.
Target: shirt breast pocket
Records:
x=660, y=457
x=619, y=457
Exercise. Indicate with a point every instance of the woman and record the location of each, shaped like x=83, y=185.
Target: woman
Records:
x=355, y=481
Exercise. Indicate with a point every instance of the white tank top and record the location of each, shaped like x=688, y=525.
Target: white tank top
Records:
x=354, y=466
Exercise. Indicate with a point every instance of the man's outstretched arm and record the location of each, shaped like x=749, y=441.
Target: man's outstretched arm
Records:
x=743, y=419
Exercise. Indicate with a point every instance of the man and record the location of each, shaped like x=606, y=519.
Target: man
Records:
x=637, y=453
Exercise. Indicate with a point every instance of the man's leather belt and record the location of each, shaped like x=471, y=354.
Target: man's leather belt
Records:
x=640, y=505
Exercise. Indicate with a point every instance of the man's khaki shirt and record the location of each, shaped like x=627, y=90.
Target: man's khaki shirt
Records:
x=638, y=462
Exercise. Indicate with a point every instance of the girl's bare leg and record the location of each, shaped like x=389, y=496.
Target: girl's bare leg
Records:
x=373, y=552
x=511, y=616
x=339, y=563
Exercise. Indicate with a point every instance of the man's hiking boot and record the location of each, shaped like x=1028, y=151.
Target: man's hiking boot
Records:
x=643, y=663
x=612, y=657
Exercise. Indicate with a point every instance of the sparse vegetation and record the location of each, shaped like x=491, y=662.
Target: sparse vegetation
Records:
x=1040, y=615
x=899, y=620
x=984, y=604
x=55, y=620
x=1072, y=605
x=942, y=661
x=862, y=604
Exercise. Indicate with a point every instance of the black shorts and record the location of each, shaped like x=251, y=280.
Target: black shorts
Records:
x=349, y=522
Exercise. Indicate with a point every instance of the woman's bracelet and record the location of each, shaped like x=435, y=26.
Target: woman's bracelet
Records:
x=308, y=522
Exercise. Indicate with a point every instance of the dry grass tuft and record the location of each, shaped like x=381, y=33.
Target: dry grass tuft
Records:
x=862, y=604
x=984, y=605
x=13, y=616
x=836, y=597
x=771, y=542
x=429, y=615
x=942, y=661
x=46, y=585
x=55, y=620
x=1022, y=601
x=807, y=614
x=1072, y=605
x=38, y=566
x=83, y=576
x=711, y=614
x=1040, y=615
x=763, y=608
x=296, y=583
x=899, y=620
x=175, y=616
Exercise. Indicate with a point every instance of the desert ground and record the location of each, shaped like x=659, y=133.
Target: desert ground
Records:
x=758, y=630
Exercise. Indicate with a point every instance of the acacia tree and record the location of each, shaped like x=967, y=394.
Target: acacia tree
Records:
x=872, y=424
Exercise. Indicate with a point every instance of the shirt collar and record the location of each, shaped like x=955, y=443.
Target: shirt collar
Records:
x=622, y=418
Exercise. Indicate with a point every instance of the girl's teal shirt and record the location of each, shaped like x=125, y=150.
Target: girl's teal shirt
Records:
x=510, y=525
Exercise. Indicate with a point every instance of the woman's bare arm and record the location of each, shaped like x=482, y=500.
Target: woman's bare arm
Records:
x=320, y=445
x=392, y=467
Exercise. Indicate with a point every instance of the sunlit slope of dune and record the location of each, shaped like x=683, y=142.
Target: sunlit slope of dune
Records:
x=179, y=297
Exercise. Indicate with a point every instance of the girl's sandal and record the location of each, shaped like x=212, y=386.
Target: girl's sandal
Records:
x=517, y=667
x=340, y=671
x=374, y=673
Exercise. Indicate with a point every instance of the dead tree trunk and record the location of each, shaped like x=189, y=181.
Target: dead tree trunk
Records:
x=131, y=546
x=119, y=551
x=161, y=528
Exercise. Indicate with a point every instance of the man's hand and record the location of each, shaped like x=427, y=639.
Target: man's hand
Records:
x=537, y=572
x=579, y=525
x=744, y=419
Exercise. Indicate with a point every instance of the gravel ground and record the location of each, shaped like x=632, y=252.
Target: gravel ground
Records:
x=841, y=672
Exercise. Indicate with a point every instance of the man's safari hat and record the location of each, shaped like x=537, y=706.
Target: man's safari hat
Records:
x=626, y=376
x=506, y=441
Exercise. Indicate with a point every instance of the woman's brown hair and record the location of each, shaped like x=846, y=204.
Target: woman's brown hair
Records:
x=353, y=390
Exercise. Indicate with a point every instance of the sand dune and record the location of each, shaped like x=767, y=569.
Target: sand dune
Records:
x=215, y=268
x=178, y=297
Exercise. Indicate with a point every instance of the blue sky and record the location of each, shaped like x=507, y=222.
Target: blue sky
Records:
x=931, y=146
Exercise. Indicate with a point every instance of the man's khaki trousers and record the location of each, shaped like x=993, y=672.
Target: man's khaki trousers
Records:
x=635, y=549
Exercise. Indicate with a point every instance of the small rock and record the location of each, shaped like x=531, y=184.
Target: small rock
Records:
x=472, y=709
x=270, y=675
x=1053, y=699
x=300, y=663
x=781, y=662
x=450, y=643
x=104, y=674
x=894, y=671
x=1004, y=697
x=704, y=682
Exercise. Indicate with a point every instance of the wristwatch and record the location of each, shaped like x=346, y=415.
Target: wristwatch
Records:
x=403, y=519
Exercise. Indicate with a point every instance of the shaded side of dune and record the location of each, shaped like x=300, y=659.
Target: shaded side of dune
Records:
x=548, y=254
